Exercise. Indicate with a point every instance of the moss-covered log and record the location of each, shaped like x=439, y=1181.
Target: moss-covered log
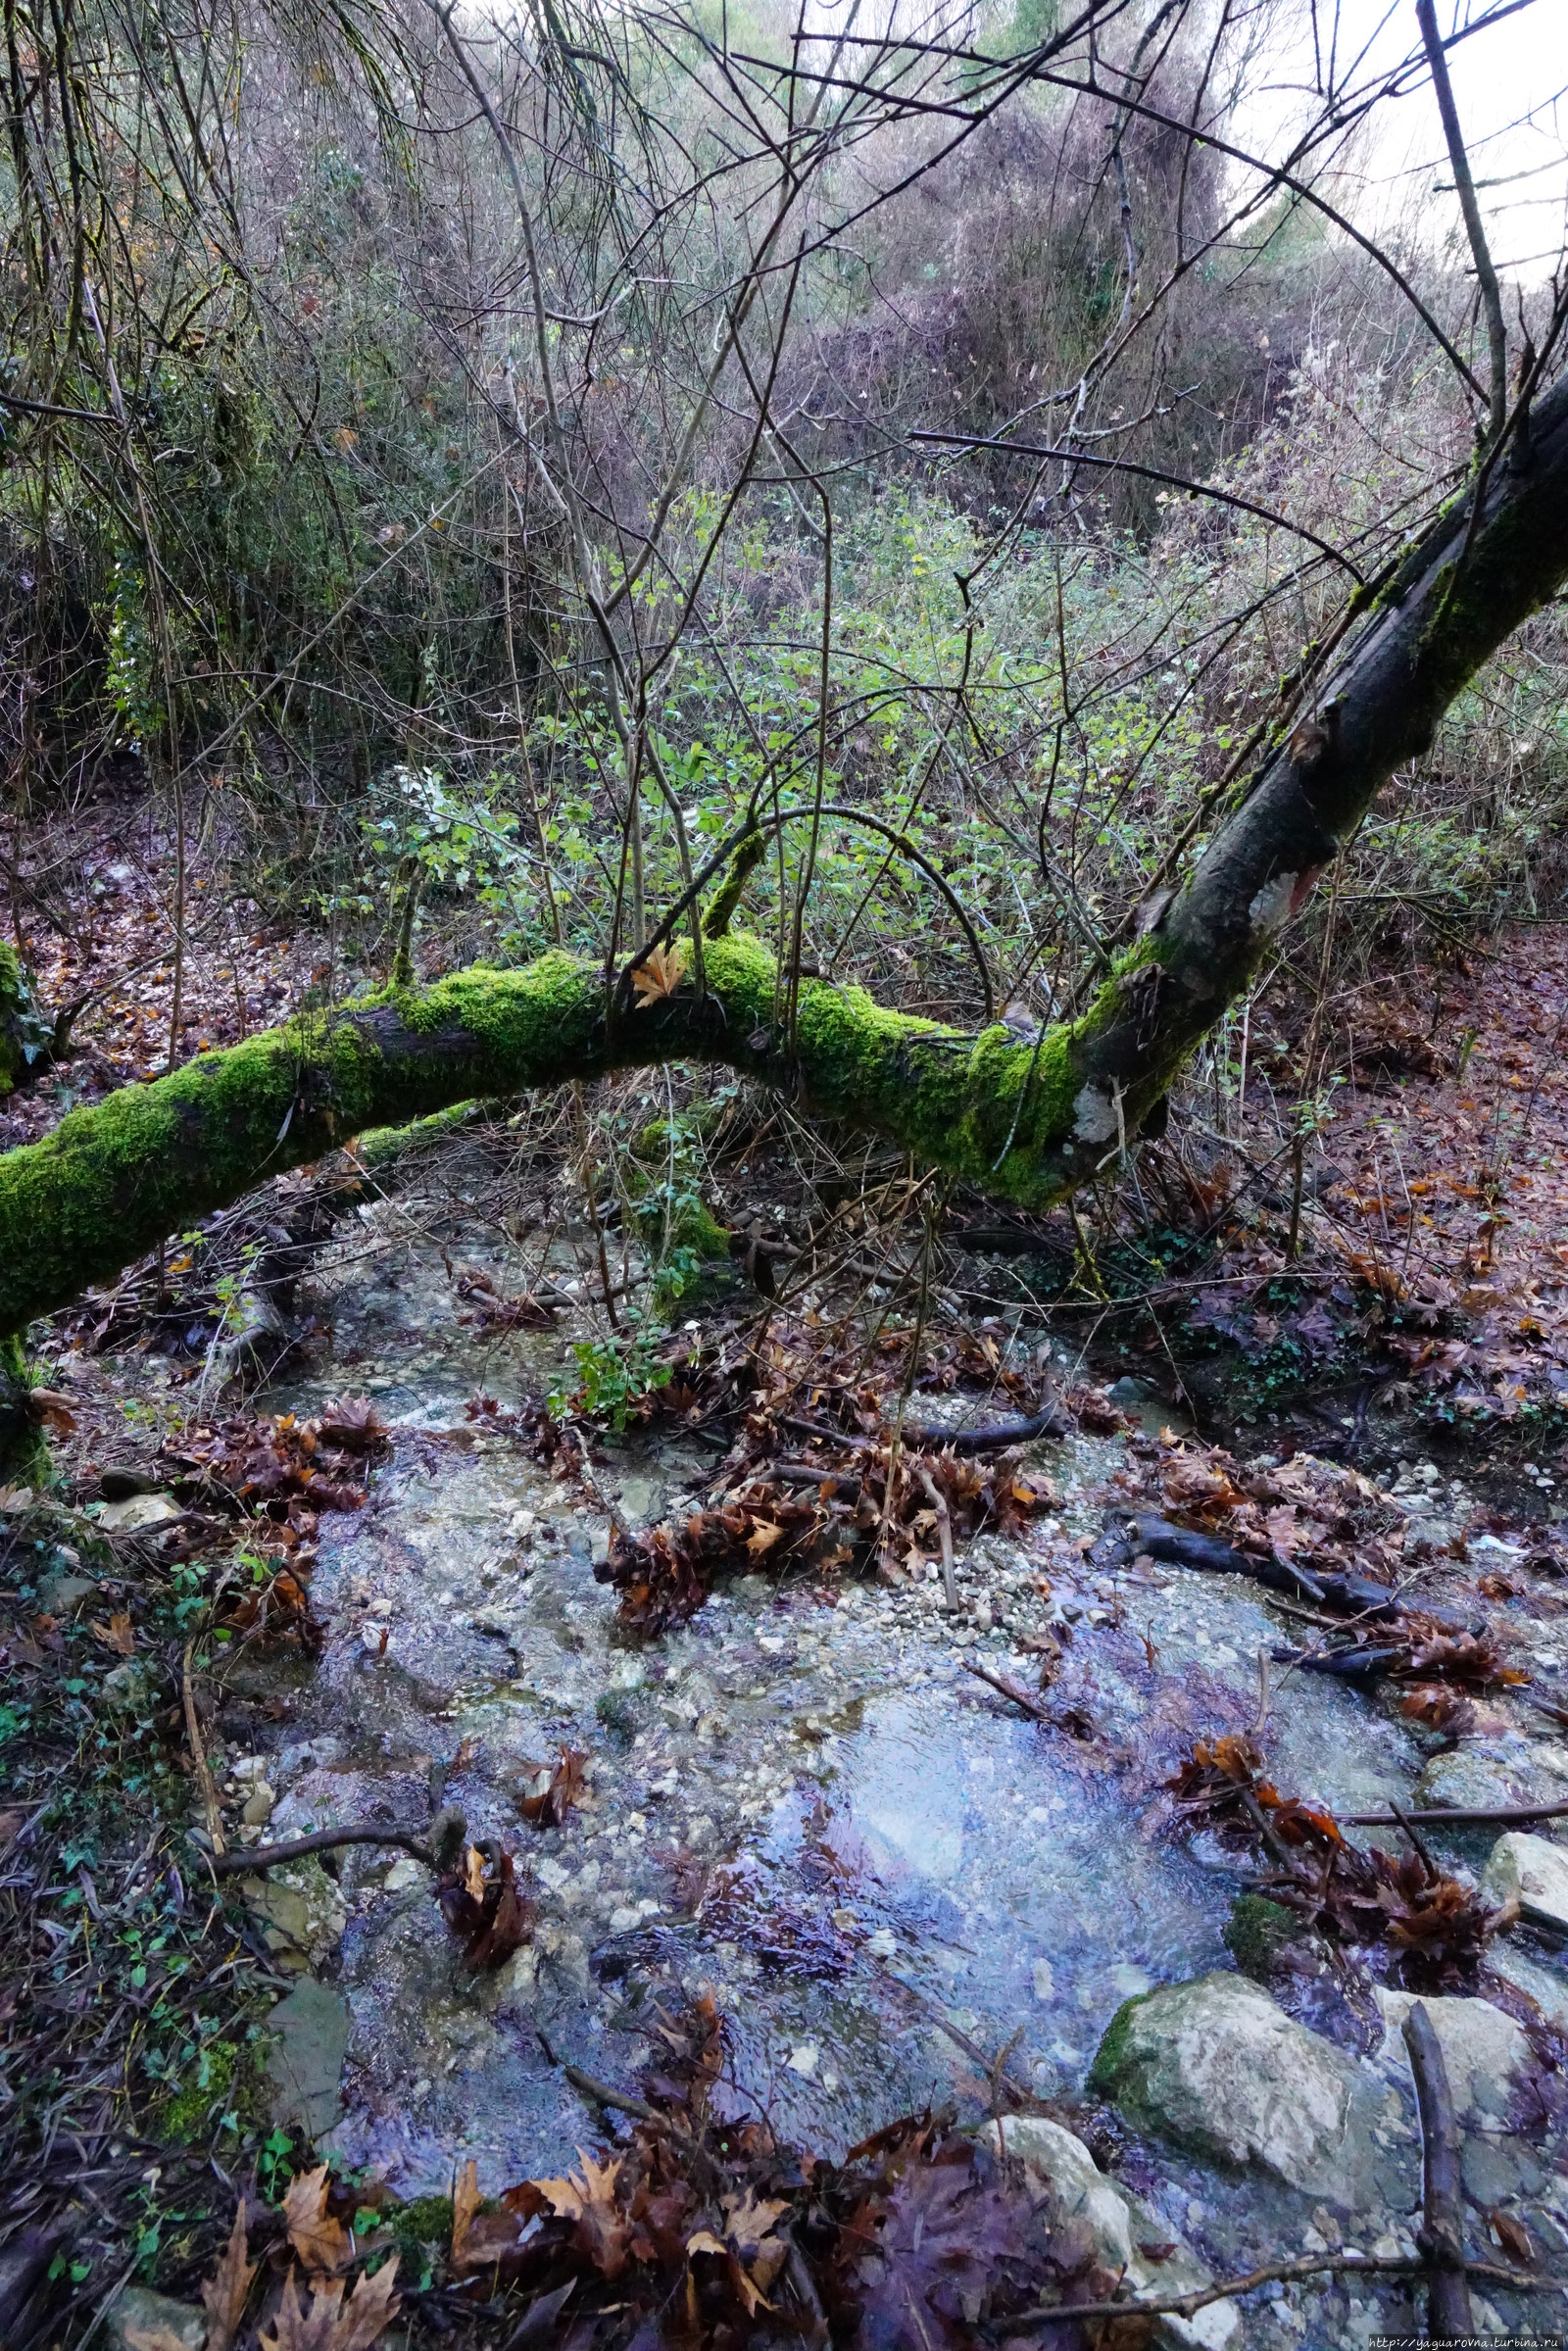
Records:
x=1027, y=1123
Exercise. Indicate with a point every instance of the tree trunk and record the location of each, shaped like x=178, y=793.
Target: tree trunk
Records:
x=1025, y=1124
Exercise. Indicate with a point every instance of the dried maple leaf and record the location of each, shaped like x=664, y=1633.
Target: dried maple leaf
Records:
x=117, y=1635
x=353, y=1424
x=322, y=2244
x=225, y=2293
x=474, y=1873
x=327, y=2325
x=659, y=975
x=763, y=1536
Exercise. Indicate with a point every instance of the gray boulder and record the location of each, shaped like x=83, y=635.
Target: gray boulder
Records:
x=1218, y=2068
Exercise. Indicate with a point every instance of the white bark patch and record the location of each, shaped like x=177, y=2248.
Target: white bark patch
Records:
x=1270, y=909
x=1096, y=1115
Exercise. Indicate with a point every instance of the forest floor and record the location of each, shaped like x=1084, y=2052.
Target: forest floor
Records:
x=803, y=1837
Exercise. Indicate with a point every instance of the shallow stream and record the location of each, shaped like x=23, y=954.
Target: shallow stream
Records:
x=803, y=1800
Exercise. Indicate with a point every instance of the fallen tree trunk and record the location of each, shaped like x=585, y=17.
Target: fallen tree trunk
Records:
x=1024, y=1122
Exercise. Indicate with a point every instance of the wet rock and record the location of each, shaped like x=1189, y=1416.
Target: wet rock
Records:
x=137, y=2311
x=404, y=1873
x=319, y=1800
x=131, y=1687
x=310, y=2030
x=301, y=1911
x=514, y=1986
x=1483, y=1776
x=1219, y=2068
x=1547, y=1986
x=138, y=1513
x=1119, y=2224
x=1485, y=2053
x=1257, y=1933
x=1532, y=1872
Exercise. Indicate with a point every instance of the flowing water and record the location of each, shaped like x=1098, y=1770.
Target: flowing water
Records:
x=895, y=1875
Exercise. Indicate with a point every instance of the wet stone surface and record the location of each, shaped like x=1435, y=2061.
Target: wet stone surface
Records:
x=805, y=1801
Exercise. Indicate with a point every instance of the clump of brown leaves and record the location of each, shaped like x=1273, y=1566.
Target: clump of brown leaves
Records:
x=326, y=2251
x=485, y=1907
x=703, y=2233
x=1405, y=1917
x=665, y=1575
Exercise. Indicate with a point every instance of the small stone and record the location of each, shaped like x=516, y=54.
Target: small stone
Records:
x=1045, y=1980
x=623, y=1920
x=1532, y=1871
x=404, y=1873
x=138, y=2311
x=882, y=1944
x=804, y=2060
x=259, y=1805
x=139, y=1513
x=131, y=1687
x=301, y=1909
x=1547, y=1986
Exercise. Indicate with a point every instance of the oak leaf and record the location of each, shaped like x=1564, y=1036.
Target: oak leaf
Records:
x=322, y=2244
x=326, y=2326
x=225, y=2293
x=117, y=1635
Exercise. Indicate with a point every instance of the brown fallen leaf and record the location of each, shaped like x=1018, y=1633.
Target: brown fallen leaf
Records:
x=327, y=2325
x=47, y=1404
x=117, y=1635
x=589, y=2200
x=480, y=2240
x=153, y=2338
x=659, y=976
x=553, y=1790
x=322, y=2244
x=225, y=2293
x=1513, y=2236
x=464, y=2205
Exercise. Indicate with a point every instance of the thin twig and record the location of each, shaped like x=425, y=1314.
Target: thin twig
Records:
x=198, y=1757
x=944, y=1518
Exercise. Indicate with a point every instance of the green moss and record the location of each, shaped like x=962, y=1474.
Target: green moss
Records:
x=1255, y=1932
x=1104, y=2074
x=421, y=2230
x=727, y=897
x=206, y=2095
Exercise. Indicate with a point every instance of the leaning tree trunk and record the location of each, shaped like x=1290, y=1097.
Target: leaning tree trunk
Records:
x=1027, y=1123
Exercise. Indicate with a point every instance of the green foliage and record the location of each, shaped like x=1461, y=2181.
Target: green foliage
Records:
x=615, y=1375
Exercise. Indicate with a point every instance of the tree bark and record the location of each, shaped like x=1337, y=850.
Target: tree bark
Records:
x=1023, y=1122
